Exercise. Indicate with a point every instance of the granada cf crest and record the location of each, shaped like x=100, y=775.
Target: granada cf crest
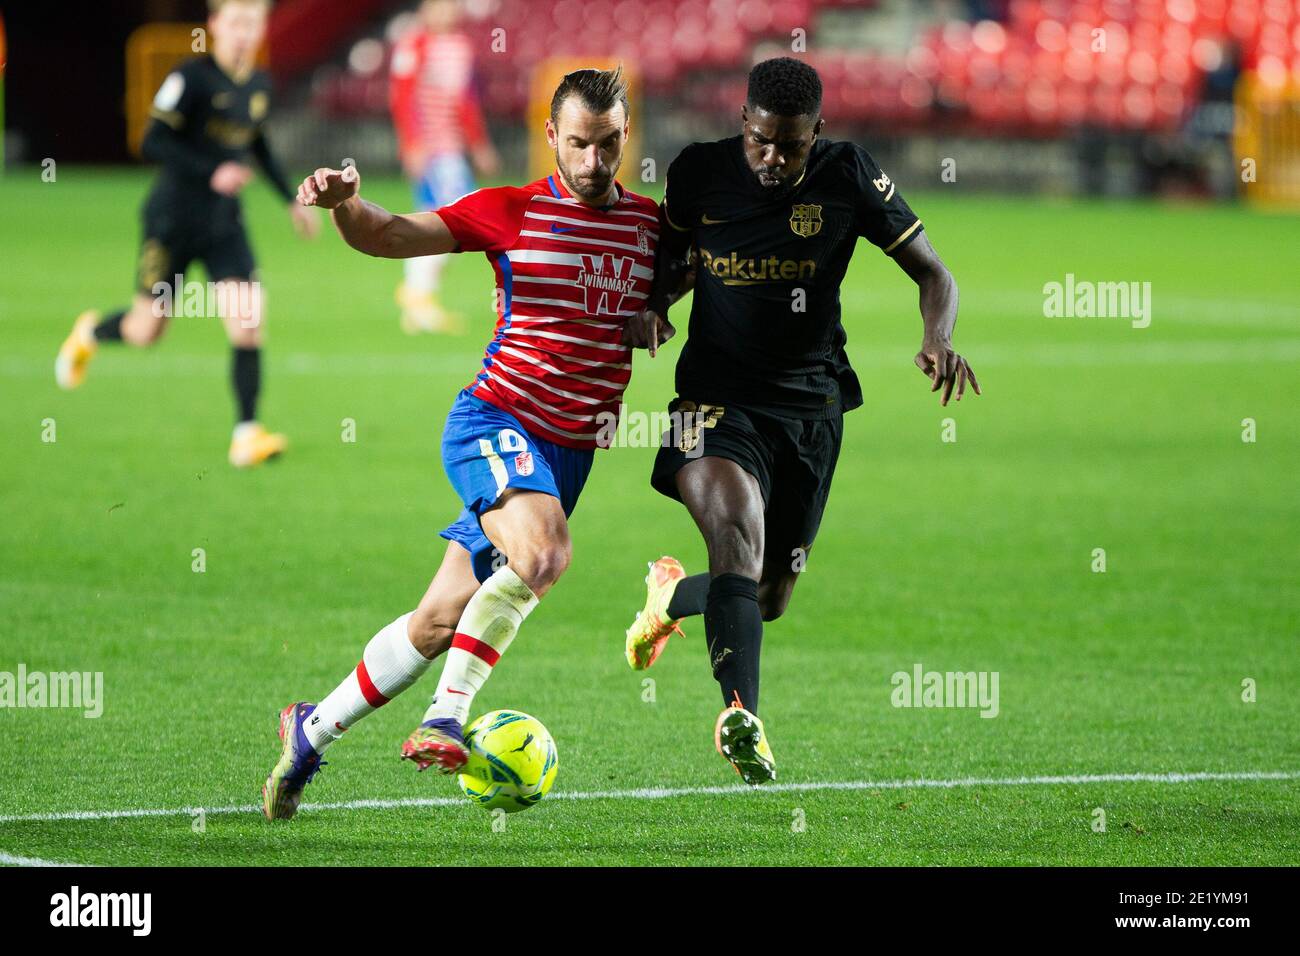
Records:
x=805, y=221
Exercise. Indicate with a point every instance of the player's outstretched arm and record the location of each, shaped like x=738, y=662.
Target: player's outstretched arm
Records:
x=944, y=367
x=370, y=228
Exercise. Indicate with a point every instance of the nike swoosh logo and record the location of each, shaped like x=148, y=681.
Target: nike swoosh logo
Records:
x=463, y=693
x=706, y=221
x=555, y=228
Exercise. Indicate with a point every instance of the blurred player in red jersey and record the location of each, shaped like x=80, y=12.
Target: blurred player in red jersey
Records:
x=573, y=256
x=437, y=116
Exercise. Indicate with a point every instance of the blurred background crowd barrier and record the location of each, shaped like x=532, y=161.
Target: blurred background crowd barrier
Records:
x=1095, y=97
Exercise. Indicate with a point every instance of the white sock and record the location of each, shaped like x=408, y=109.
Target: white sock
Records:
x=389, y=665
x=424, y=273
x=490, y=622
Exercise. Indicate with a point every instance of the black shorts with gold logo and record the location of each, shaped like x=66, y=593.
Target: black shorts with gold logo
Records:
x=793, y=460
x=173, y=239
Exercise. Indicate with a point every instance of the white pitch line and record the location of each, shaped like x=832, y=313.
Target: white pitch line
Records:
x=660, y=793
x=8, y=859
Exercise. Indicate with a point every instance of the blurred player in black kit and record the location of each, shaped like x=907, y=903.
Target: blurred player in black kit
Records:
x=207, y=119
x=772, y=217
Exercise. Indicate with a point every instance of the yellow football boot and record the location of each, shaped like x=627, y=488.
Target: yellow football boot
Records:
x=649, y=633
x=739, y=736
x=77, y=351
x=252, y=444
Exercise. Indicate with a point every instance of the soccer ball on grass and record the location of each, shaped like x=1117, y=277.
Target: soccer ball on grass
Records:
x=512, y=761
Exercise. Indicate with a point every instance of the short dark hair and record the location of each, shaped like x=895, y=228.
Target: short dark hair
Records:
x=785, y=86
x=598, y=90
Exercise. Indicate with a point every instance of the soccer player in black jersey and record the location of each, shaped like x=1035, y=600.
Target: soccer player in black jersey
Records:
x=770, y=218
x=207, y=119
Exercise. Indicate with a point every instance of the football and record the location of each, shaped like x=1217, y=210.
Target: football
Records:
x=512, y=761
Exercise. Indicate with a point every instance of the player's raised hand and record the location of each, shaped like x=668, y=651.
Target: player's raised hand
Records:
x=229, y=178
x=329, y=188
x=946, y=369
x=647, y=330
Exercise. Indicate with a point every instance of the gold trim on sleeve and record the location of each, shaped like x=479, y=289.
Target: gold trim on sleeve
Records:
x=910, y=229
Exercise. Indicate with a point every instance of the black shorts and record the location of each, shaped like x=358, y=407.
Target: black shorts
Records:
x=174, y=236
x=793, y=460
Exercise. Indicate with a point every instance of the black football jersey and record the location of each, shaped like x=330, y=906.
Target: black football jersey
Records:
x=765, y=324
x=203, y=117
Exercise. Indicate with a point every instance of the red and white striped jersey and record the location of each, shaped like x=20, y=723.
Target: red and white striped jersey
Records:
x=568, y=277
x=431, y=94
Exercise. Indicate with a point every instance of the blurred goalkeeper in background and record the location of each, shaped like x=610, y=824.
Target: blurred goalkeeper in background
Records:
x=208, y=117
x=437, y=116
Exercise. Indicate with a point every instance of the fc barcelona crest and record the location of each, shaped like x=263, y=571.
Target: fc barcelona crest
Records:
x=805, y=221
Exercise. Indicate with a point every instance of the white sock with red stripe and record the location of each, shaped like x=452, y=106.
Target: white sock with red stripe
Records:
x=389, y=664
x=490, y=622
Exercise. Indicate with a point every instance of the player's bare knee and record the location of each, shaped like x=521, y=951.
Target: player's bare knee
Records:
x=540, y=567
x=245, y=332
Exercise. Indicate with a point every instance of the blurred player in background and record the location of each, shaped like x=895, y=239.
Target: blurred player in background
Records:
x=208, y=118
x=437, y=116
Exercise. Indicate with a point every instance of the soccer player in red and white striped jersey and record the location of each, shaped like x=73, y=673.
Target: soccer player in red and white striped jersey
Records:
x=573, y=255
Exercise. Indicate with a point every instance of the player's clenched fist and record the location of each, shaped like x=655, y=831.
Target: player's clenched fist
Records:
x=329, y=188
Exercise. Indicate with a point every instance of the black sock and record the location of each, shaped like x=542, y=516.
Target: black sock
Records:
x=246, y=374
x=689, y=597
x=110, y=329
x=734, y=628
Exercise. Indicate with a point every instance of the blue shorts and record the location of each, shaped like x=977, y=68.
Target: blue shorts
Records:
x=446, y=179
x=485, y=451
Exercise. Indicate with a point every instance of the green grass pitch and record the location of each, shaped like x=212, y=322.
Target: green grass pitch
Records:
x=973, y=555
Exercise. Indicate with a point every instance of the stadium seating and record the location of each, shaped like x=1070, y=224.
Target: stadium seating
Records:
x=1046, y=68
x=667, y=39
